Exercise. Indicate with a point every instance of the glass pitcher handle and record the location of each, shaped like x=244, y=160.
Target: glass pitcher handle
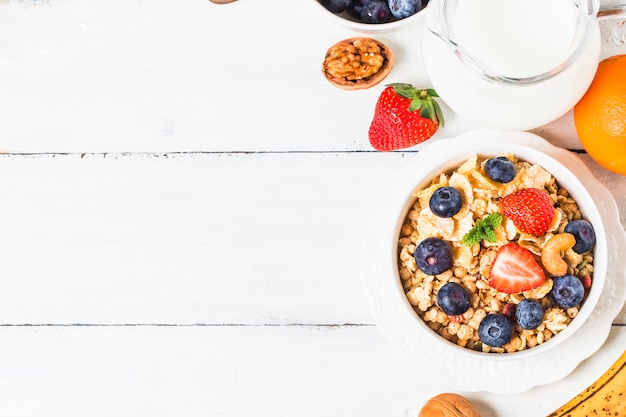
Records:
x=618, y=31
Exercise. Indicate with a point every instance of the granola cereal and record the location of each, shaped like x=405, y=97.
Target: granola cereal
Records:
x=471, y=264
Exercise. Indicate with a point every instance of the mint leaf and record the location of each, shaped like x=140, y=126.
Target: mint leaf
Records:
x=490, y=235
x=493, y=220
x=484, y=229
x=472, y=237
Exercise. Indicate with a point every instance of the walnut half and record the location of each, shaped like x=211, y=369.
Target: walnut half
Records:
x=357, y=63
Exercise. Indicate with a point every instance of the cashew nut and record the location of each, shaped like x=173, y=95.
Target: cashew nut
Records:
x=551, y=253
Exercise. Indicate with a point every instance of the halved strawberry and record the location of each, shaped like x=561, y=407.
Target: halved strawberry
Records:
x=515, y=269
x=530, y=209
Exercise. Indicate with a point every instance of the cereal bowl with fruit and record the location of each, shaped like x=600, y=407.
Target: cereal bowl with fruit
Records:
x=489, y=254
x=371, y=16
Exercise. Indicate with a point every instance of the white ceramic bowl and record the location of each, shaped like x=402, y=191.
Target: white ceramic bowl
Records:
x=567, y=180
x=471, y=370
x=346, y=20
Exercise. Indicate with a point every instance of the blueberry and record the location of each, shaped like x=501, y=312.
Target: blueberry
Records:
x=453, y=299
x=445, y=201
x=433, y=256
x=567, y=291
x=404, y=8
x=375, y=11
x=336, y=6
x=583, y=233
x=529, y=314
x=495, y=330
x=355, y=9
x=500, y=169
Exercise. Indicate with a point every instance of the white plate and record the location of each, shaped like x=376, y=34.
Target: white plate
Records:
x=462, y=371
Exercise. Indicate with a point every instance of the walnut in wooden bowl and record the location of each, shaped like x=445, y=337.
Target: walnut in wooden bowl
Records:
x=357, y=63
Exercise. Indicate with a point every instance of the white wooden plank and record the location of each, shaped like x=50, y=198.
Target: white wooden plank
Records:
x=191, y=238
x=121, y=371
x=240, y=371
x=203, y=238
x=166, y=76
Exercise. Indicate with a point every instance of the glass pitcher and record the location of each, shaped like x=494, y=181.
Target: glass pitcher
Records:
x=511, y=64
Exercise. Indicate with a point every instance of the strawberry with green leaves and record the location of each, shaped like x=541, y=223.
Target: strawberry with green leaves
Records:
x=404, y=116
x=515, y=270
x=530, y=209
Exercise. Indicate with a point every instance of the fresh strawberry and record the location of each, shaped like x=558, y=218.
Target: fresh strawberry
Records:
x=515, y=270
x=404, y=116
x=530, y=209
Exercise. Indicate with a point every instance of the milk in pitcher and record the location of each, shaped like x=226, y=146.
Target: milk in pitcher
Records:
x=502, y=45
x=517, y=38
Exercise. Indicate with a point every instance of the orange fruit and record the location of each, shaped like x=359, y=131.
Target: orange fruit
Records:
x=600, y=115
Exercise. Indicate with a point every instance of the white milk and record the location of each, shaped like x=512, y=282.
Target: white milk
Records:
x=516, y=38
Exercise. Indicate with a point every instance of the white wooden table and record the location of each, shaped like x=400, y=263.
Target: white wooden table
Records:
x=182, y=217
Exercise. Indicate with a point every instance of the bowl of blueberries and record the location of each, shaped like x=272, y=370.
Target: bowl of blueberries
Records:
x=373, y=15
